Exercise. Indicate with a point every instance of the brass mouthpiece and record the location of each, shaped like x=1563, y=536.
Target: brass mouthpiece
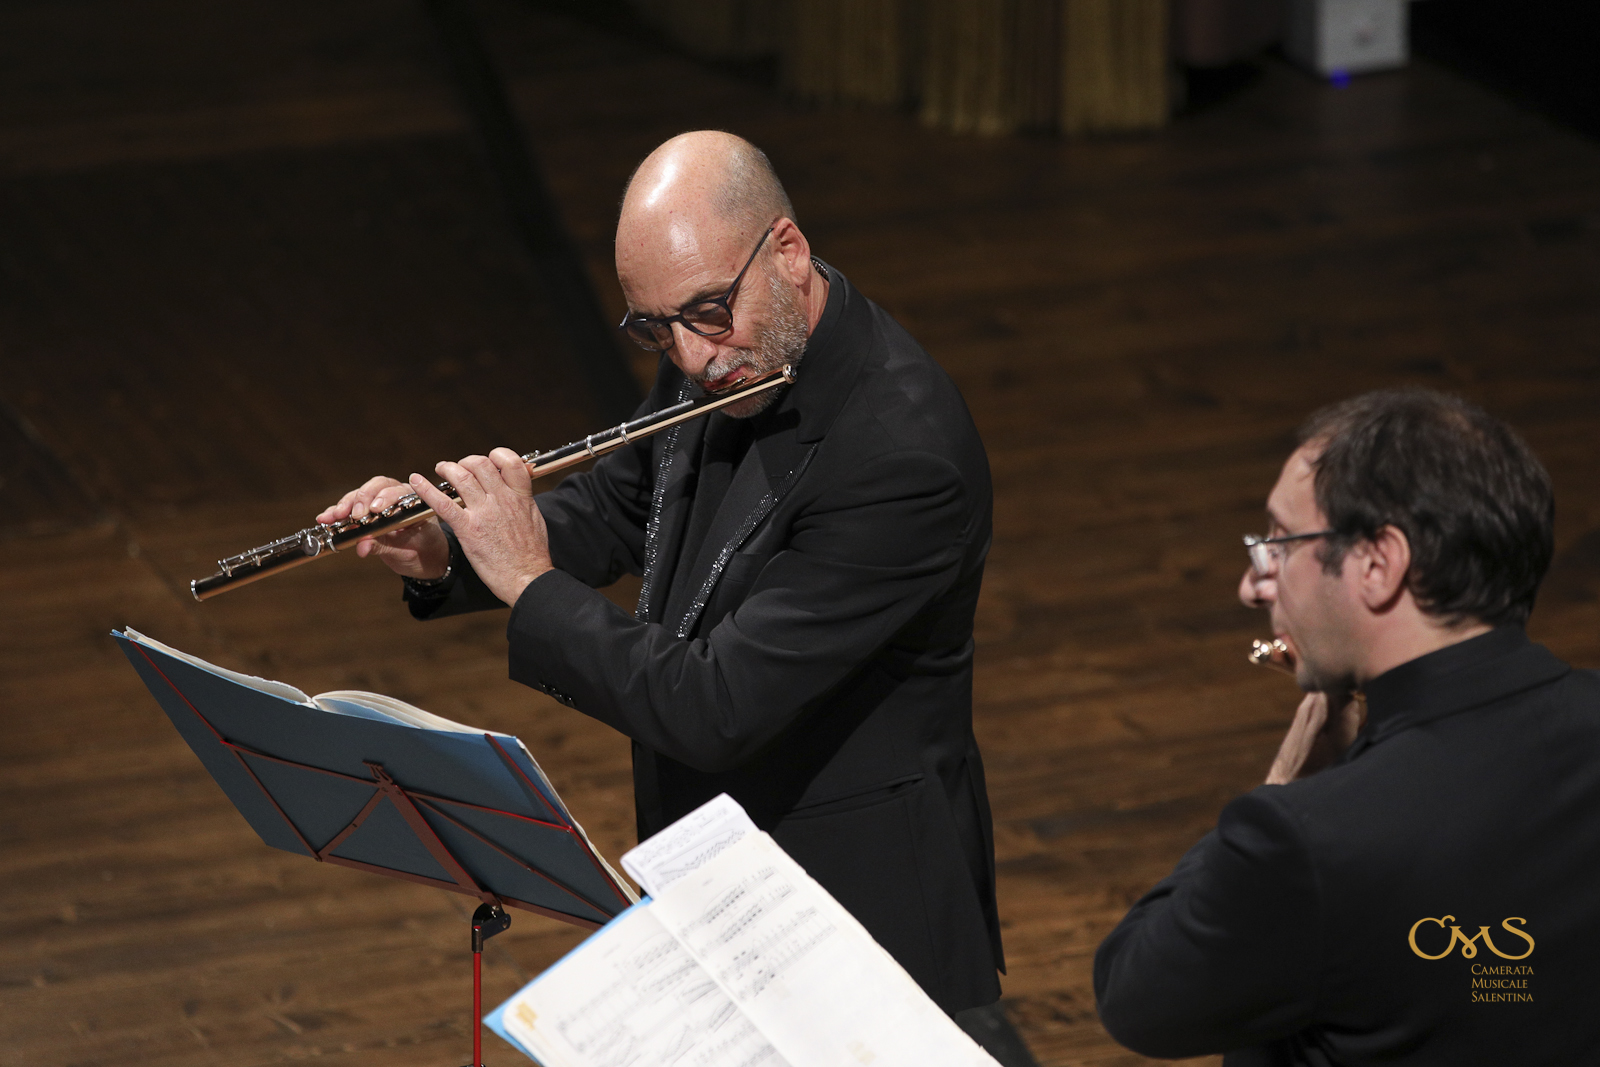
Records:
x=1273, y=653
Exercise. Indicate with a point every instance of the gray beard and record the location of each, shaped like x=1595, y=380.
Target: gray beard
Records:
x=780, y=339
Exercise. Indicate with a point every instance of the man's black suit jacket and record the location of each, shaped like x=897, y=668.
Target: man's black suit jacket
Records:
x=1317, y=924
x=812, y=656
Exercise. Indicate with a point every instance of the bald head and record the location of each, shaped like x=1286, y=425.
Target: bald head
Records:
x=726, y=176
x=698, y=187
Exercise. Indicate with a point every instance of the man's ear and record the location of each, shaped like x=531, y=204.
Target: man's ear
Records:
x=1383, y=563
x=793, y=251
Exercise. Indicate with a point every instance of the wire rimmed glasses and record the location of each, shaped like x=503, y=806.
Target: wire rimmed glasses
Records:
x=1267, y=553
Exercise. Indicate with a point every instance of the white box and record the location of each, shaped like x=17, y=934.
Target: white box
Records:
x=1338, y=37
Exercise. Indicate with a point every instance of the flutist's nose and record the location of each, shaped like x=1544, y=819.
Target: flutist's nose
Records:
x=1256, y=591
x=690, y=352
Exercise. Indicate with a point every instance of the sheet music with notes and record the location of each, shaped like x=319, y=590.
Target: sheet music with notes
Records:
x=744, y=961
x=632, y=995
x=687, y=844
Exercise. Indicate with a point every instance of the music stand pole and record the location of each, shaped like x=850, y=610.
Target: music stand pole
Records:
x=488, y=920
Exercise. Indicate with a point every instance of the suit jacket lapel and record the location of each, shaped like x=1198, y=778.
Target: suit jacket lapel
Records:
x=669, y=511
x=769, y=470
x=798, y=420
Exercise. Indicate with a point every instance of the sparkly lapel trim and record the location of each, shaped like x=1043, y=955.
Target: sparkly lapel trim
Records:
x=751, y=521
x=652, y=530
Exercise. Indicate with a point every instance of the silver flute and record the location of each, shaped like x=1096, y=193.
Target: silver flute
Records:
x=315, y=542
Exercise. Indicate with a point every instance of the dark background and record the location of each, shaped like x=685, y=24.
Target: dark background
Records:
x=1540, y=53
x=251, y=255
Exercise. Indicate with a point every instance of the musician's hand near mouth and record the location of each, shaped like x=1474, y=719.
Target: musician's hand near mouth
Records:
x=1316, y=739
x=497, y=523
x=419, y=551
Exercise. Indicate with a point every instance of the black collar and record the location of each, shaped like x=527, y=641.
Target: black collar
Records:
x=1458, y=677
x=833, y=357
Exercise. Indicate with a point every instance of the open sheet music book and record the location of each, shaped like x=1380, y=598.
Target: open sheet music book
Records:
x=369, y=781
x=738, y=959
x=339, y=701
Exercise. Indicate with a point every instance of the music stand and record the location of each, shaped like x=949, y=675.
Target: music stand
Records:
x=469, y=813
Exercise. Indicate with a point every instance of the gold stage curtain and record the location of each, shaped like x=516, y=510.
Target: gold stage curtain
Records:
x=969, y=66
x=850, y=51
x=989, y=66
x=1115, y=65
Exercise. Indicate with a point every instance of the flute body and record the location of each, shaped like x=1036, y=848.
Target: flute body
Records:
x=314, y=542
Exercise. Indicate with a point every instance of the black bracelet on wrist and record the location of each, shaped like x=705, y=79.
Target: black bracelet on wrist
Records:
x=429, y=584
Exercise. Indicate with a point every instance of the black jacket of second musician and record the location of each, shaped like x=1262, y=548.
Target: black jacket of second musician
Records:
x=1429, y=901
x=804, y=636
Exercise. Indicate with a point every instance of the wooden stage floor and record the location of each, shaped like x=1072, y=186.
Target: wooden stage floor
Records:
x=249, y=257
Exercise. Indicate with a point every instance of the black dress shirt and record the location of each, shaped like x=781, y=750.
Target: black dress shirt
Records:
x=1318, y=923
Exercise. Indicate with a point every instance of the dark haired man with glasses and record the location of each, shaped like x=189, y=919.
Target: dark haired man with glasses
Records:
x=1414, y=883
x=810, y=558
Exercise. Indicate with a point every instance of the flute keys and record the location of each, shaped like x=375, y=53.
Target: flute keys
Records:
x=1273, y=653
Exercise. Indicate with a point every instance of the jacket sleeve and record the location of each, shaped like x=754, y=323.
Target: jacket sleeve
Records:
x=1225, y=952
x=861, y=560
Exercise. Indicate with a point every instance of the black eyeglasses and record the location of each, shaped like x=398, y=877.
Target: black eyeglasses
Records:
x=708, y=318
x=1266, y=553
